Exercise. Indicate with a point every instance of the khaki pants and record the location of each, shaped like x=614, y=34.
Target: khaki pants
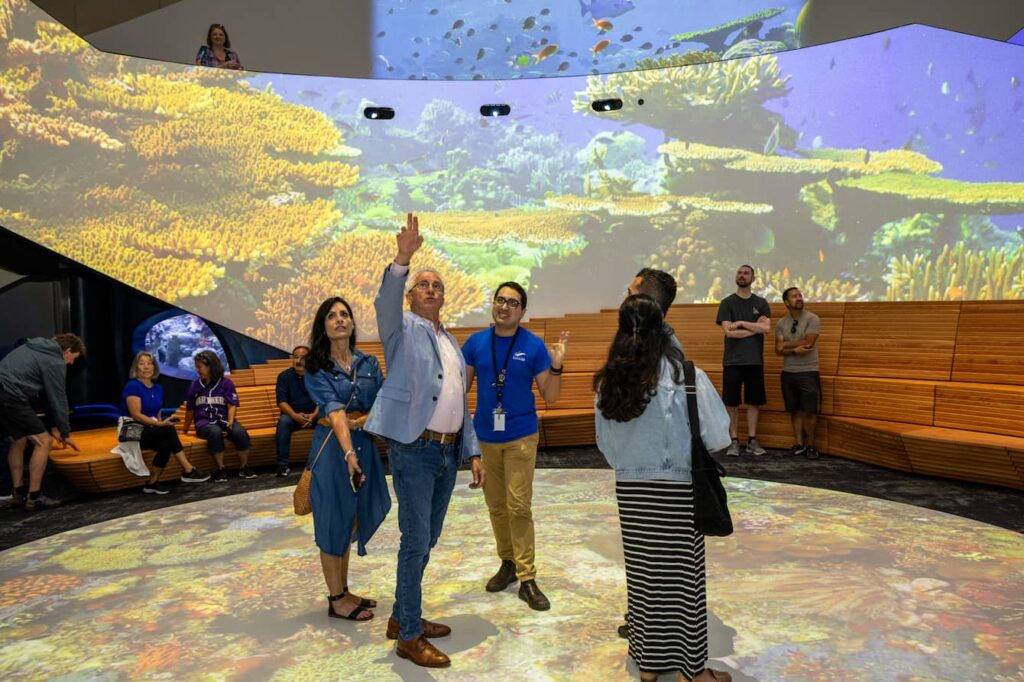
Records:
x=508, y=489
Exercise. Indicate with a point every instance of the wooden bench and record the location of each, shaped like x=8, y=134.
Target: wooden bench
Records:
x=934, y=388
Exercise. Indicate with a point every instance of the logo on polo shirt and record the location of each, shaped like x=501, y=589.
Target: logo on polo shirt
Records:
x=519, y=355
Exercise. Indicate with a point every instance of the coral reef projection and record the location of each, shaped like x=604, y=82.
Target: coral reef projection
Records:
x=880, y=168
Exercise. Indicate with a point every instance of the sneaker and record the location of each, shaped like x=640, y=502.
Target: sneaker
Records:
x=220, y=476
x=283, y=470
x=754, y=448
x=40, y=502
x=197, y=475
x=7, y=498
x=246, y=472
x=157, y=488
x=18, y=496
x=734, y=449
x=811, y=452
x=798, y=450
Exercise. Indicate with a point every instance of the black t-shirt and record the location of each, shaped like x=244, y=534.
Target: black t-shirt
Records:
x=748, y=351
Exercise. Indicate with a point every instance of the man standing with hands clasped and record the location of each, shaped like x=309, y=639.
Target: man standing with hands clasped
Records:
x=508, y=360
x=421, y=411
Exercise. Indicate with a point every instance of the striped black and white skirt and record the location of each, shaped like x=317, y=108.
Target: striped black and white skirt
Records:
x=667, y=610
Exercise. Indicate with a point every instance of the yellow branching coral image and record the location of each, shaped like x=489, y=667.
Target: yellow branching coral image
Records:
x=944, y=193
x=958, y=273
x=540, y=227
x=168, y=176
x=772, y=284
x=701, y=88
x=658, y=204
x=352, y=267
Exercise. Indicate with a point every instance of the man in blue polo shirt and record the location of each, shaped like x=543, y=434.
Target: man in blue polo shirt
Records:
x=508, y=359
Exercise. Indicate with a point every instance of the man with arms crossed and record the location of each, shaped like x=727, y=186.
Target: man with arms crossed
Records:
x=745, y=319
x=298, y=411
x=796, y=340
x=421, y=410
x=508, y=360
x=38, y=366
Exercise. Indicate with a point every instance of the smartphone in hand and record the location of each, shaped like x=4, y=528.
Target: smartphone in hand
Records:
x=356, y=481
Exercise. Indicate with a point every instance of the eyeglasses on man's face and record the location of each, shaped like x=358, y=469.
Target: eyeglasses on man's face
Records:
x=423, y=285
x=512, y=303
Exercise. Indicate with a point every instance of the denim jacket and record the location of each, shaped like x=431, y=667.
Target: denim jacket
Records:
x=656, y=445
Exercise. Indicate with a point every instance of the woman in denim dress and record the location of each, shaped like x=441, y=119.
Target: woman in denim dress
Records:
x=343, y=382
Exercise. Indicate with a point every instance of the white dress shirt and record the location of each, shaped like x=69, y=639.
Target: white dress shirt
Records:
x=451, y=406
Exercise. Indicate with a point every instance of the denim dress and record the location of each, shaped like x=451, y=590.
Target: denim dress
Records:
x=335, y=506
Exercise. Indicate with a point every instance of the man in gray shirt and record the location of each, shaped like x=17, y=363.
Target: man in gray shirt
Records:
x=796, y=340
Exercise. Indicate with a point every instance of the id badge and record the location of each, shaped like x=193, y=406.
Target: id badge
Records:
x=499, y=419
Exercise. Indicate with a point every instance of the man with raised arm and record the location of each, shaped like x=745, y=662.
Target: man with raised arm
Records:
x=421, y=411
x=745, y=318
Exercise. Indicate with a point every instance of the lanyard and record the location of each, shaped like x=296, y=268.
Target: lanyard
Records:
x=499, y=383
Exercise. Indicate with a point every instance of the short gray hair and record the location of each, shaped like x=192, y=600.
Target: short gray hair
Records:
x=133, y=371
x=416, y=278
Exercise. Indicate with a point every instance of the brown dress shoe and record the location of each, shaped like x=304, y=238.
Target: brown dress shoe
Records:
x=421, y=652
x=709, y=675
x=531, y=594
x=505, y=576
x=431, y=630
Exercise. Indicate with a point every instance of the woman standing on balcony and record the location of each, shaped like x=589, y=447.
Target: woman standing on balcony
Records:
x=643, y=431
x=349, y=495
x=217, y=51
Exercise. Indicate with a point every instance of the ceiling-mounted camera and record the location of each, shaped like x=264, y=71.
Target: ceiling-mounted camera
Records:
x=606, y=105
x=495, y=110
x=379, y=113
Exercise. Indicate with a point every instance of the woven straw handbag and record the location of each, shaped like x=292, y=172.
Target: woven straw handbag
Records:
x=300, y=498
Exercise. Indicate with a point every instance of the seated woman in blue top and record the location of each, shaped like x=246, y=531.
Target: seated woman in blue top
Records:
x=343, y=382
x=142, y=400
x=643, y=431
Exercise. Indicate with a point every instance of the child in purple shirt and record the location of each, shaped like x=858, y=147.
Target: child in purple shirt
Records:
x=212, y=401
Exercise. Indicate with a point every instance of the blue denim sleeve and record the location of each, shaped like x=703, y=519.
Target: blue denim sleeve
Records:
x=322, y=392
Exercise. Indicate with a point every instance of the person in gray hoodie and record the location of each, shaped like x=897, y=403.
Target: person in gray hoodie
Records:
x=38, y=366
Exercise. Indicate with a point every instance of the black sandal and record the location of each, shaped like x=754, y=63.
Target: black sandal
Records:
x=331, y=598
x=365, y=603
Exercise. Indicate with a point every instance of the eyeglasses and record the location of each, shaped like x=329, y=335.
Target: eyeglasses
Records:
x=795, y=323
x=512, y=303
x=423, y=285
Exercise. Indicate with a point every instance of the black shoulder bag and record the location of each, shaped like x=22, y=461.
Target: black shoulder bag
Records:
x=710, y=506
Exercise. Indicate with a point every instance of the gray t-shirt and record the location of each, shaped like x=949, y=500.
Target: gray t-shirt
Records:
x=749, y=350
x=807, y=323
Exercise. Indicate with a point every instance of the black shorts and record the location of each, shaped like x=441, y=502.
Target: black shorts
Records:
x=18, y=418
x=800, y=391
x=748, y=379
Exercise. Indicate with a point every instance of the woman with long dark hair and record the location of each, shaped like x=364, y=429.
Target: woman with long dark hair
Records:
x=643, y=431
x=349, y=495
x=212, y=401
x=217, y=51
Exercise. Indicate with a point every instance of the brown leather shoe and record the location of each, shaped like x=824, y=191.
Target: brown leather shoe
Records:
x=531, y=594
x=421, y=652
x=709, y=675
x=431, y=630
x=505, y=576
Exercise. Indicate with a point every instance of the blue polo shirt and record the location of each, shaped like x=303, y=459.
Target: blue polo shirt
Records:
x=529, y=357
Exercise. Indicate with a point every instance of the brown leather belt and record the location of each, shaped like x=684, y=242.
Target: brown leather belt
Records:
x=324, y=421
x=442, y=438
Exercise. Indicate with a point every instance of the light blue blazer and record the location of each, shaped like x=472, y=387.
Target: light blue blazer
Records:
x=407, y=399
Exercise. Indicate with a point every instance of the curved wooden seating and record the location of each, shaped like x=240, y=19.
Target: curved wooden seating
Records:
x=933, y=388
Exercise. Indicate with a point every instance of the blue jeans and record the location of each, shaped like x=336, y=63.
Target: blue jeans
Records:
x=285, y=427
x=423, y=473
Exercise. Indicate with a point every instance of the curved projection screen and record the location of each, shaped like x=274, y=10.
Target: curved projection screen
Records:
x=880, y=168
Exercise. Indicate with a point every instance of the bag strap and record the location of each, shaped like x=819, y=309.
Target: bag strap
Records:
x=699, y=455
x=321, y=451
